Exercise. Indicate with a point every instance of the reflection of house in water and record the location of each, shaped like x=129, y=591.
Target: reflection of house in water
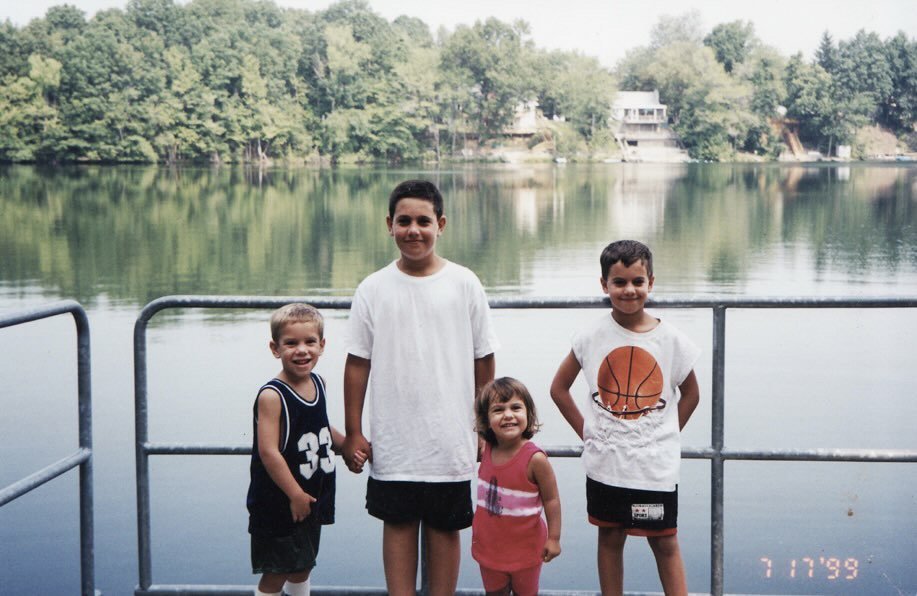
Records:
x=641, y=127
x=636, y=201
x=525, y=210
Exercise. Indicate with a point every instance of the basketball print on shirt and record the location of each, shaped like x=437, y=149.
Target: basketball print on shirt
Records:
x=629, y=383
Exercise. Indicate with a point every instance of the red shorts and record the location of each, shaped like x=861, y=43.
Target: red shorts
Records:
x=524, y=582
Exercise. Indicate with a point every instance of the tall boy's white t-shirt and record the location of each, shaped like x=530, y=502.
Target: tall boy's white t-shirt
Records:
x=421, y=335
x=642, y=453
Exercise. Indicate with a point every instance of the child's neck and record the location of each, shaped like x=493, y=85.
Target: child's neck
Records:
x=301, y=385
x=638, y=322
x=421, y=268
x=501, y=453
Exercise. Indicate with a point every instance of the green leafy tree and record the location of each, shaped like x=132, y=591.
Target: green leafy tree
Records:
x=28, y=116
x=731, y=43
x=900, y=109
x=712, y=114
x=578, y=88
x=493, y=60
x=763, y=70
x=827, y=55
x=864, y=76
x=825, y=117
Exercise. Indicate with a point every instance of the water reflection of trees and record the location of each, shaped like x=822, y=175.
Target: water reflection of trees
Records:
x=134, y=234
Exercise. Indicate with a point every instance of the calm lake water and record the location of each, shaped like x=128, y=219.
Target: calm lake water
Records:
x=115, y=238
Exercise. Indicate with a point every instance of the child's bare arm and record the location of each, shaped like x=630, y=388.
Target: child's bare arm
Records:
x=690, y=397
x=356, y=379
x=337, y=440
x=542, y=474
x=268, y=441
x=484, y=370
x=560, y=392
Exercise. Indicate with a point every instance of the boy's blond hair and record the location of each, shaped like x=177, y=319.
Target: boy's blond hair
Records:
x=297, y=312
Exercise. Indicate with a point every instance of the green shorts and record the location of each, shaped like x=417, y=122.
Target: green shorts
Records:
x=287, y=554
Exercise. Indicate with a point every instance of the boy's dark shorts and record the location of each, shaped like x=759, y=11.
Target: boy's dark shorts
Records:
x=444, y=506
x=287, y=554
x=639, y=512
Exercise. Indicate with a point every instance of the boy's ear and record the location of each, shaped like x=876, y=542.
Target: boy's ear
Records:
x=442, y=223
x=388, y=224
x=604, y=283
x=649, y=287
x=273, y=346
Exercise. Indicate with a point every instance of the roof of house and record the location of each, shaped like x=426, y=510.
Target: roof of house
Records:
x=637, y=99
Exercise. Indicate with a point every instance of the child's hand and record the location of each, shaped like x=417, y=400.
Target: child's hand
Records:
x=359, y=459
x=301, y=506
x=551, y=549
x=356, y=452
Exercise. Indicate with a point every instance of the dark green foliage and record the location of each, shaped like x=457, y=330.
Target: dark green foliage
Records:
x=850, y=84
x=231, y=80
x=731, y=43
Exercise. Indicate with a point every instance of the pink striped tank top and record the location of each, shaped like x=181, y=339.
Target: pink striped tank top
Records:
x=508, y=532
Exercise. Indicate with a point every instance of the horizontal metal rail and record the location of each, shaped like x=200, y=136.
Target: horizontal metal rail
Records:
x=82, y=457
x=716, y=453
x=828, y=455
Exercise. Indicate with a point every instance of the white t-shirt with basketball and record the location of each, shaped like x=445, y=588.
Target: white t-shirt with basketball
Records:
x=631, y=437
x=422, y=335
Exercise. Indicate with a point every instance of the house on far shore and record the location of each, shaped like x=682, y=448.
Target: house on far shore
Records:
x=526, y=119
x=641, y=127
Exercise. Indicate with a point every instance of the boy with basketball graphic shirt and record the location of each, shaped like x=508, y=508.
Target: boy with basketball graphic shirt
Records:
x=640, y=374
x=421, y=344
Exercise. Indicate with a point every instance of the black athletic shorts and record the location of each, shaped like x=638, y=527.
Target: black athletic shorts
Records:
x=639, y=512
x=287, y=554
x=442, y=505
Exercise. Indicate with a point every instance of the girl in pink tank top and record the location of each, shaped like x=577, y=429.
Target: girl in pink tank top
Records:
x=510, y=539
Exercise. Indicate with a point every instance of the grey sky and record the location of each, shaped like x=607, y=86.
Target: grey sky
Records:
x=608, y=28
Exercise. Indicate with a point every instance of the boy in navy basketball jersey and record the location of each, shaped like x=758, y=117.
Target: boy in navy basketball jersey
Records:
x=640, y=373
x=291, y=494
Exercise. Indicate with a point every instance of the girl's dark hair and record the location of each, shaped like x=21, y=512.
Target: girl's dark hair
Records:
x=501, y=391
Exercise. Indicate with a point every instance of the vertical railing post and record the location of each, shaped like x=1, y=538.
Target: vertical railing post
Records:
x=717, y=443
x=144, y=556
x=424, y=571
x=84, y=389
x=83, y=456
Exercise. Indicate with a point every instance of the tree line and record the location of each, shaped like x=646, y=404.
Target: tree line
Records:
x=246, y=80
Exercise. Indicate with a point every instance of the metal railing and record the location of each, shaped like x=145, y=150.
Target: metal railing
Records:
x=82, y=458
x=716, y=453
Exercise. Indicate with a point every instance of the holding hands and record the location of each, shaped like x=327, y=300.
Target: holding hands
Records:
x=357, y=451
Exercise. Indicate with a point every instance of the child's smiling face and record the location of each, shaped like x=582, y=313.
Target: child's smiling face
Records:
x=299, y=347
x=628, y=287
x=416, y=228
x=508, y=420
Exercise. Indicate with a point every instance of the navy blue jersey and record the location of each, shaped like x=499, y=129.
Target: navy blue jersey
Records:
x=305, y=443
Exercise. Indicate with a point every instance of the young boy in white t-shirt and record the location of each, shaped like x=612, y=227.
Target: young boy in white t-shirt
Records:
x=640, y=373
x=421, y=345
